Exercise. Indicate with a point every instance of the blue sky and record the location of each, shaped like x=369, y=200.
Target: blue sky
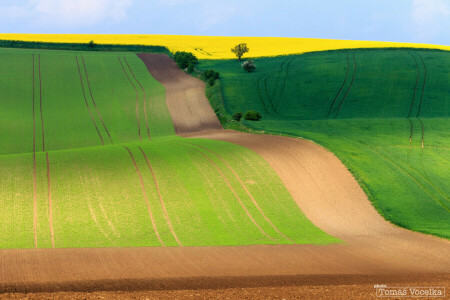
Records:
x=421, y=21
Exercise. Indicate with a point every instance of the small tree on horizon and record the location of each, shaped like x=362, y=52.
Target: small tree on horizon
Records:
x=239, y=50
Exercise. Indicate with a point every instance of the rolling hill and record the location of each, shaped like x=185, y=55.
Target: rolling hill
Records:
x=384, y=113
x=89, y=158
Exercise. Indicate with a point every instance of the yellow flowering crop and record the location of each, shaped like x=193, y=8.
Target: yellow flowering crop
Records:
x=216, y=47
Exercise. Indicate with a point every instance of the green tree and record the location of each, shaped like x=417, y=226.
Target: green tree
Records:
x=239, y=50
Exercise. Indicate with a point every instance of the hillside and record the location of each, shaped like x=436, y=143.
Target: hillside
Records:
x=89, y=158
x=384, y=113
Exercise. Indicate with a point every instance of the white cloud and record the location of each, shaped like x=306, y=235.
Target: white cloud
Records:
x=430, y=18
x=69, y=13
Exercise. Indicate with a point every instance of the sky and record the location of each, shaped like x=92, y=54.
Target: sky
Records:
x=417, y=21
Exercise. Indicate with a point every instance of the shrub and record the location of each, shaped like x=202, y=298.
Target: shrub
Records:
x=252, y=115
x=237, y=116
x=190, y=68
x=248, y=66
x=91, y=44
x=211, y=81
x=211, y=74
x=184, y=59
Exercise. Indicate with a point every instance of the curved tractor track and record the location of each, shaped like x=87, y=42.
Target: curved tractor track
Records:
x=319, y=183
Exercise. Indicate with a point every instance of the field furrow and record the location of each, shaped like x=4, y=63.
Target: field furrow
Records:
x=340, y=89
x=160, y=197
x=86, y=102
x=145, y=197
x=93, y=100
x=137, y=97
x=144, y=96
x=349, y=87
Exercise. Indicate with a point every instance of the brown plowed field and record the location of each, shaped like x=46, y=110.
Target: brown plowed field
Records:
x=185, y=95
x=373, y=251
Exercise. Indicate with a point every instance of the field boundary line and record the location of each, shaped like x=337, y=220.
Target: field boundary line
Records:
x=137, y=98
x=93, y=100
x=160, y=197
x=340, y=90
x=145, y=196
x=349, y=88
x=86, y=102
x=245, y=188
x=50, y=211
x=231, y=188
x=34, y=163
x=143, y=91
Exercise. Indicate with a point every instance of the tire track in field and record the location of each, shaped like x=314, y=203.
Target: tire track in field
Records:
x=50, y=211
x=349, y=88
x=410, y=173
x=143, y=91
x=423, y=86
x=34, y=163
x=93, y=100
x=231, y=188
x=160, y=197
x=340, y=90
x=415, y=86
x=421, y=97
x=283, y=87
x=246, y=190
x=137, y=97
x=423, y=130
x=411, y=133
x=86, y=102
x=145, y=196
x=40, y=103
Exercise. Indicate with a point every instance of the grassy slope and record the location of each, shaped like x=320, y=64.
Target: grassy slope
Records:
x=96, y=195
x=369, y=129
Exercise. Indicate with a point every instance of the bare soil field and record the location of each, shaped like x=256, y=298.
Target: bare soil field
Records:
x=373, y=251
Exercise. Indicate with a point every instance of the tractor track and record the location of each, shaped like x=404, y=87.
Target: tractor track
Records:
x=86, y=102
x=49, y=196
x=145, y=196
x=40, y=104
x=93, y=100
x=137, y=98
x=34, y=162
x=143, y=91
x=415, y=86
x=160, y=197
x=231, y=188
x=349, y=88
x=246, y=190
x=421, y=99
x=340, y=90
x=423, y=86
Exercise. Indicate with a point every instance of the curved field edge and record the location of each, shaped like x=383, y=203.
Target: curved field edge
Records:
x=380, y=138
x=207, y=47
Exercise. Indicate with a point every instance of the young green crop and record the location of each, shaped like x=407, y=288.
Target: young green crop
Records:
x=81, y=168
x=365, y=106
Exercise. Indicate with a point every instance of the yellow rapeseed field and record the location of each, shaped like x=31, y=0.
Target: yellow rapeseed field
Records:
x=216, y=47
